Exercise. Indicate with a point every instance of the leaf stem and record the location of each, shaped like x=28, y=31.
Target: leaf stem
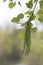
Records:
x=31, y=14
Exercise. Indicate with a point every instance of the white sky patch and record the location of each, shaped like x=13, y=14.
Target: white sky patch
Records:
x=6, y=14
x=37, y=24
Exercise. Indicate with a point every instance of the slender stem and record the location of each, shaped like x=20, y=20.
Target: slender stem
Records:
x=35, y=5
x=33, y=10
x=31, y=14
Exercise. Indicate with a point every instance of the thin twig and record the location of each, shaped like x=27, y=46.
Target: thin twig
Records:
x=31, y=14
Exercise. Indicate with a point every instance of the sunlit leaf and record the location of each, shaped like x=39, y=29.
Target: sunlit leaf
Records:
x=15, y=20
x=40, y=19
x=29, y=4
x=19, y=3
x=4, y=0
x=11, y=5
x=20, y=16
x=40, y=15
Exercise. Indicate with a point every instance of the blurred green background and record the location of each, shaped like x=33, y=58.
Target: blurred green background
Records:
x=11, y=46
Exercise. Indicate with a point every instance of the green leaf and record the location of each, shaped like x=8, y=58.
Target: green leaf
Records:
x=41, y=5
x=19, y=3
x=30, y=13
x=4, y=0
x=11, y=5
x=40, y=15
x=15, y=20
x=35, y=1
x=29, y=4
x=33, y=29
x=40, y=19
x=20, y=16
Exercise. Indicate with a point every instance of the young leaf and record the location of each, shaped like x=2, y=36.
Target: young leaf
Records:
x=20, y=16
x=40, y=19
x=15, y=20
x=19, y=3
x=29, y=4
x=11, y=5
x=4, y=0
x=40, y=15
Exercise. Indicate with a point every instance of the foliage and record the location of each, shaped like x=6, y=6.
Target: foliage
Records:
x=17, y=19
x=27, y=39
x=40, y=15
x=29, y=4
x=28, y=27
x=11, y=5
x=40, y=12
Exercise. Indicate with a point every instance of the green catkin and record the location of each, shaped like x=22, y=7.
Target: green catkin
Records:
x=27, y=39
